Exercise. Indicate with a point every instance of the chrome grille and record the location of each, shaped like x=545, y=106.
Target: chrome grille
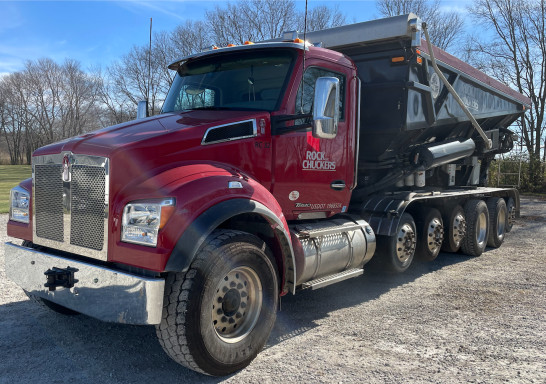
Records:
x=48, y=202
x=87, y=207
x=71, y=207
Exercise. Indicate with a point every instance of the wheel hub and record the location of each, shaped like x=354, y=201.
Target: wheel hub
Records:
x=237, y=304
x=406, y=242
x=459, y=229
x=435, y=235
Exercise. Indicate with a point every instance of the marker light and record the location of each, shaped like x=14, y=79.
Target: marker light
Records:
x=231, y=45
x=248, y=42
x=299, y=41
x=398, y=59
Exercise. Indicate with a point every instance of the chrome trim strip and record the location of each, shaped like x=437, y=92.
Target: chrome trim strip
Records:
x=74, y=159
x=100, y=292
x=254, y=132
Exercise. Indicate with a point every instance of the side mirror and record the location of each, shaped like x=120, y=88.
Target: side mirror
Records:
x=326, y=108
x=142, y=109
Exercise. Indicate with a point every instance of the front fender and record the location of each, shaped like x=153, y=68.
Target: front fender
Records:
x=194, y=236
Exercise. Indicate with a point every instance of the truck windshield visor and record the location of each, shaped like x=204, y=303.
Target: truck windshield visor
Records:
x=237, y=81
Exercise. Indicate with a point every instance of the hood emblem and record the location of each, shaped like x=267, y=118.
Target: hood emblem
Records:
x=66, y=168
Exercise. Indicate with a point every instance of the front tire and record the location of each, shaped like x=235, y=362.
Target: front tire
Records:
x=477, y=228
x=218, y=315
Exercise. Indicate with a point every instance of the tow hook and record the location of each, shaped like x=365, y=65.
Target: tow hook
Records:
x=59, y=277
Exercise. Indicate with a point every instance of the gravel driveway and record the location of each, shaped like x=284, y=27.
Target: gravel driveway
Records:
x=456, y=319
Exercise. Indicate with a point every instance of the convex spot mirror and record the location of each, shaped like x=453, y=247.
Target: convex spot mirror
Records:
x=326, y=108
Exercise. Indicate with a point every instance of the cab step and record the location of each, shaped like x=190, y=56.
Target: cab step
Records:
x=331, y=279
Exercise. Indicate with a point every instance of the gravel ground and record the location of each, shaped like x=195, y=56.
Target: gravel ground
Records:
x=457, y=319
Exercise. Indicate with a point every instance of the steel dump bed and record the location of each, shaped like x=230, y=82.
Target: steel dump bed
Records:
x=404, y=103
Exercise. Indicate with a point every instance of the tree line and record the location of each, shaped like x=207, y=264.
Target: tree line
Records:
x=47, y=101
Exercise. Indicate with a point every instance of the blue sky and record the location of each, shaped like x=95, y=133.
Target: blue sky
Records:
x=98, y=32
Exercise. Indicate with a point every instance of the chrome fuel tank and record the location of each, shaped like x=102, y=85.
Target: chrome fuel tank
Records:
x=328, y=247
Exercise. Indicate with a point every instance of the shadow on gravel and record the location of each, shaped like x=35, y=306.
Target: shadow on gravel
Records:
x=37, y=345
x=299, y=313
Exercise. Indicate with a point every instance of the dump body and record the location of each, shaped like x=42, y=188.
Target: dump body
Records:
x=404, y=105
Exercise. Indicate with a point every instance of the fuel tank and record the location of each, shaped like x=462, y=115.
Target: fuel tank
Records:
x=330, y=247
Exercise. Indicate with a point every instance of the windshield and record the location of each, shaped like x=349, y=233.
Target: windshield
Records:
x=239, y=81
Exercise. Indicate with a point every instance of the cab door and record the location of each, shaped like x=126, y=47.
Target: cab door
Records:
x=313, y=177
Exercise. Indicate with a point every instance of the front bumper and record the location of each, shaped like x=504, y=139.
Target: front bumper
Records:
x=99, y=292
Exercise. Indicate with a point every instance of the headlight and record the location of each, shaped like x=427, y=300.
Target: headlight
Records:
x=143, y=220
x=18, y=205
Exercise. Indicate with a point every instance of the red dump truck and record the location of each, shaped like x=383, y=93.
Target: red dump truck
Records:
x=273, y=167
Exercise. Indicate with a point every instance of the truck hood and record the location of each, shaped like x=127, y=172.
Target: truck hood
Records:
x=168, y=127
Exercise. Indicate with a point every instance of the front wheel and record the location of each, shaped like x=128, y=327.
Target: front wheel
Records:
x=218, y=315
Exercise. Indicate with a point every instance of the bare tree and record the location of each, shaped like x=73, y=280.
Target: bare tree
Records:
x=516, y=55
x=444, y=27
x=258, y=20
x=322, y=17
x=130, y=79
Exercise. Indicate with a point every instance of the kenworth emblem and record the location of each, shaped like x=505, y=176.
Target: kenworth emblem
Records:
x=66, y=168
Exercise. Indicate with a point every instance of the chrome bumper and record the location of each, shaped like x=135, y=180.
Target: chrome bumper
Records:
x=99, y=292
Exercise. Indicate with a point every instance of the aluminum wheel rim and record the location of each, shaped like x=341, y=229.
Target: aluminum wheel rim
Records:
x=459, y=229
x=481, y=229
x=405, y=243
x=435, y=236
x=237, y=304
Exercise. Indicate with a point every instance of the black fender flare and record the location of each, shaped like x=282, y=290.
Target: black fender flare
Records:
x=193, y=237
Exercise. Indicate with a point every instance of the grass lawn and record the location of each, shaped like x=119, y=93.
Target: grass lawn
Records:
x=11, y=176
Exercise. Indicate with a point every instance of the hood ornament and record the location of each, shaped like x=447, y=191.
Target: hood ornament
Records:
x=66, y=168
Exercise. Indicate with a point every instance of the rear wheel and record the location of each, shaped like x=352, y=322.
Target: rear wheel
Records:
x=477, y=227
x=498, y=215
x=397, y=251
x=430, y=234
x=218, y=315
x=511, y=214
x=455, y=229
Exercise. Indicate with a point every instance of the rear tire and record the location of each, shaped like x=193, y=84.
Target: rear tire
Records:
x=498, y=216
x=511, y=214
x=455, y=229
x=430, y=234
x=477, y=228
x=218, y=315
x=397, y=251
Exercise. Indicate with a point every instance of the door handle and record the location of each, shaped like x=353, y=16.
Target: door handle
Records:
x=338, y=185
